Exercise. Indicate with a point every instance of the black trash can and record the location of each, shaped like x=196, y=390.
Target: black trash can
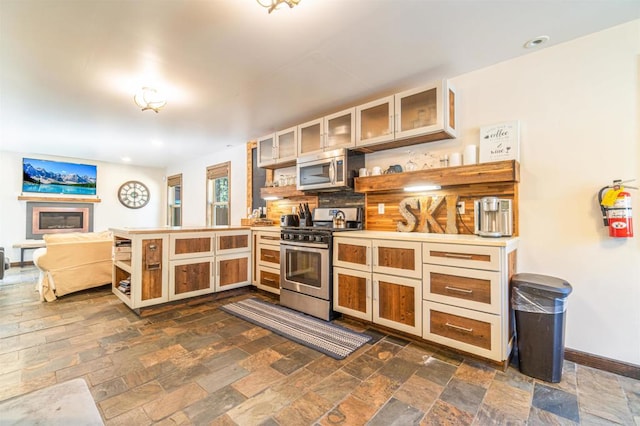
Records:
x=540, y=303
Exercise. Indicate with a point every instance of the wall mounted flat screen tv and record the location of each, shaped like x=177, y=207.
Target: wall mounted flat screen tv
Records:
x=57, y=177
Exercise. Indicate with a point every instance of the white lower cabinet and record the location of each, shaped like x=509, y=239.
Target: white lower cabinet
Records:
x=266, y=261
x=362, y=291
x=352, y=293
x=465, y=329
x=232, y=271
x=397, y=303
x=466, y=297
x=191, y=277
x=452, y=293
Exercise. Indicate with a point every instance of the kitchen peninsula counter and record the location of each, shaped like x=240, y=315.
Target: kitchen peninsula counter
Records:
x=177, y=229
x=161, y=264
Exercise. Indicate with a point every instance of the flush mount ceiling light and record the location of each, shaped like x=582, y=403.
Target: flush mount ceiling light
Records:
x=149, y=98
x=535, y=42
x=274, y=4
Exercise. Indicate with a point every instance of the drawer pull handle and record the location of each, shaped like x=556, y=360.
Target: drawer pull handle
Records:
x=459, y=290
x=268, y=256
x=269, y=280
x=457, y=327
x=458, y=255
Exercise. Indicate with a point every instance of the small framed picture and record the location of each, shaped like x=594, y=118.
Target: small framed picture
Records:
x=500, y=142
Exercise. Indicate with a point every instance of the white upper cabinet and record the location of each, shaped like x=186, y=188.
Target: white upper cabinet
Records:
x=278, y=149
x=311, y=137
x=374, y=122
x=327, y=133
x=418, y=115
x=267, y=150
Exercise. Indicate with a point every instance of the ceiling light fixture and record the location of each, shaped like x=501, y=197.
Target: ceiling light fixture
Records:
x=535, y=42
x=149, y=98
x=274, y=4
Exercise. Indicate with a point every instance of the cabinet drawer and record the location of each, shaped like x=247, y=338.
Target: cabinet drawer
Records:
x=269, y=256
x=269, y=280
x=352, y=253
x=190, y=245
x=270, y=238
x=471, y=331
x=400, y=258
x=466, y=256
x=232, y=242
x=468, y=288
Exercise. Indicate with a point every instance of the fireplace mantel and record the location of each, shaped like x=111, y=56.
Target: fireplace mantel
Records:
x=58, y=199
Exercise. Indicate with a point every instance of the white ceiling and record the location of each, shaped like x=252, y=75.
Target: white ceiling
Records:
x=232, y=72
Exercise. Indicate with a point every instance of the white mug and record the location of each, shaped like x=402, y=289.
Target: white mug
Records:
x=363, y=172
x=376, y=171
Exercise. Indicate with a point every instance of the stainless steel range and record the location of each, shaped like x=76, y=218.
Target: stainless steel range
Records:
x=306, y=257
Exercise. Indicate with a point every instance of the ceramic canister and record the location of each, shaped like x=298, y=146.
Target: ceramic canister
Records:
x=470, y=155
x=455, y=159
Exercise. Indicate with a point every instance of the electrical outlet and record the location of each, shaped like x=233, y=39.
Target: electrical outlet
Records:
x=380, y=208
x=460, y=207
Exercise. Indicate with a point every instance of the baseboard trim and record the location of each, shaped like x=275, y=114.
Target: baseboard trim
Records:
x=602, y=363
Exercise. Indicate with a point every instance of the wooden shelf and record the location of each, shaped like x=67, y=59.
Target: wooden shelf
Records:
x=281, y=192
x=499, y=171
x=58, y=199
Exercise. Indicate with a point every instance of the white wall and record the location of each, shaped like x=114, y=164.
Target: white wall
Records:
x=108, y=213
x=194, y=196
x=578, y=104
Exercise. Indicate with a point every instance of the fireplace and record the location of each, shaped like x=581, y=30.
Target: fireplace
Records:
x=53, y=218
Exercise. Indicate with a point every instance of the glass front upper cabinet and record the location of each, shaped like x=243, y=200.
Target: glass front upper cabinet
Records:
x=267, y=150
x=278, y=149
x=333, y=131
x=427, y=111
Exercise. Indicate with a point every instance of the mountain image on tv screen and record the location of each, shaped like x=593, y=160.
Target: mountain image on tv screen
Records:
x=56, y=177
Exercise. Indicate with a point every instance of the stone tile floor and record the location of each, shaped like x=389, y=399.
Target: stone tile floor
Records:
x=191, y=363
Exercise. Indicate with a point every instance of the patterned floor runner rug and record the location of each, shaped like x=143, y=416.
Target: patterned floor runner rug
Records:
x=333, y=340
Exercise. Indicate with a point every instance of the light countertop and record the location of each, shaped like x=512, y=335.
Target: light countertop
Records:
x=177, y=229
x=427, y=237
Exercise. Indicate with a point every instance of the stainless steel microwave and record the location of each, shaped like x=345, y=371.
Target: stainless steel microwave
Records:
x=328, y=171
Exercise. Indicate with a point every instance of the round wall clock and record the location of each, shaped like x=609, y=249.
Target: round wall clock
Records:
x=133, y=194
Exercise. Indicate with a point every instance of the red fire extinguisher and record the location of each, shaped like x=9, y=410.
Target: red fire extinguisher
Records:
x=615, y=204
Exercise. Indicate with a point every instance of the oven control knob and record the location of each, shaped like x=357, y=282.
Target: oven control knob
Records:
x=318, y=238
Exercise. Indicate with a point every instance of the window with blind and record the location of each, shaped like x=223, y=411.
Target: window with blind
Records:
x=218, y=194
x=174, y=200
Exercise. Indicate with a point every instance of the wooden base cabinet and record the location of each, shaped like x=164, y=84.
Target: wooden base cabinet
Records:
x=397, y=303
x=362, y=290
x=452, y=293
x=174, y=264
x=352, y=293
x=233, y=271
x=191, y=268
x=191, y=277
x=266, y=260
x=466, y=297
